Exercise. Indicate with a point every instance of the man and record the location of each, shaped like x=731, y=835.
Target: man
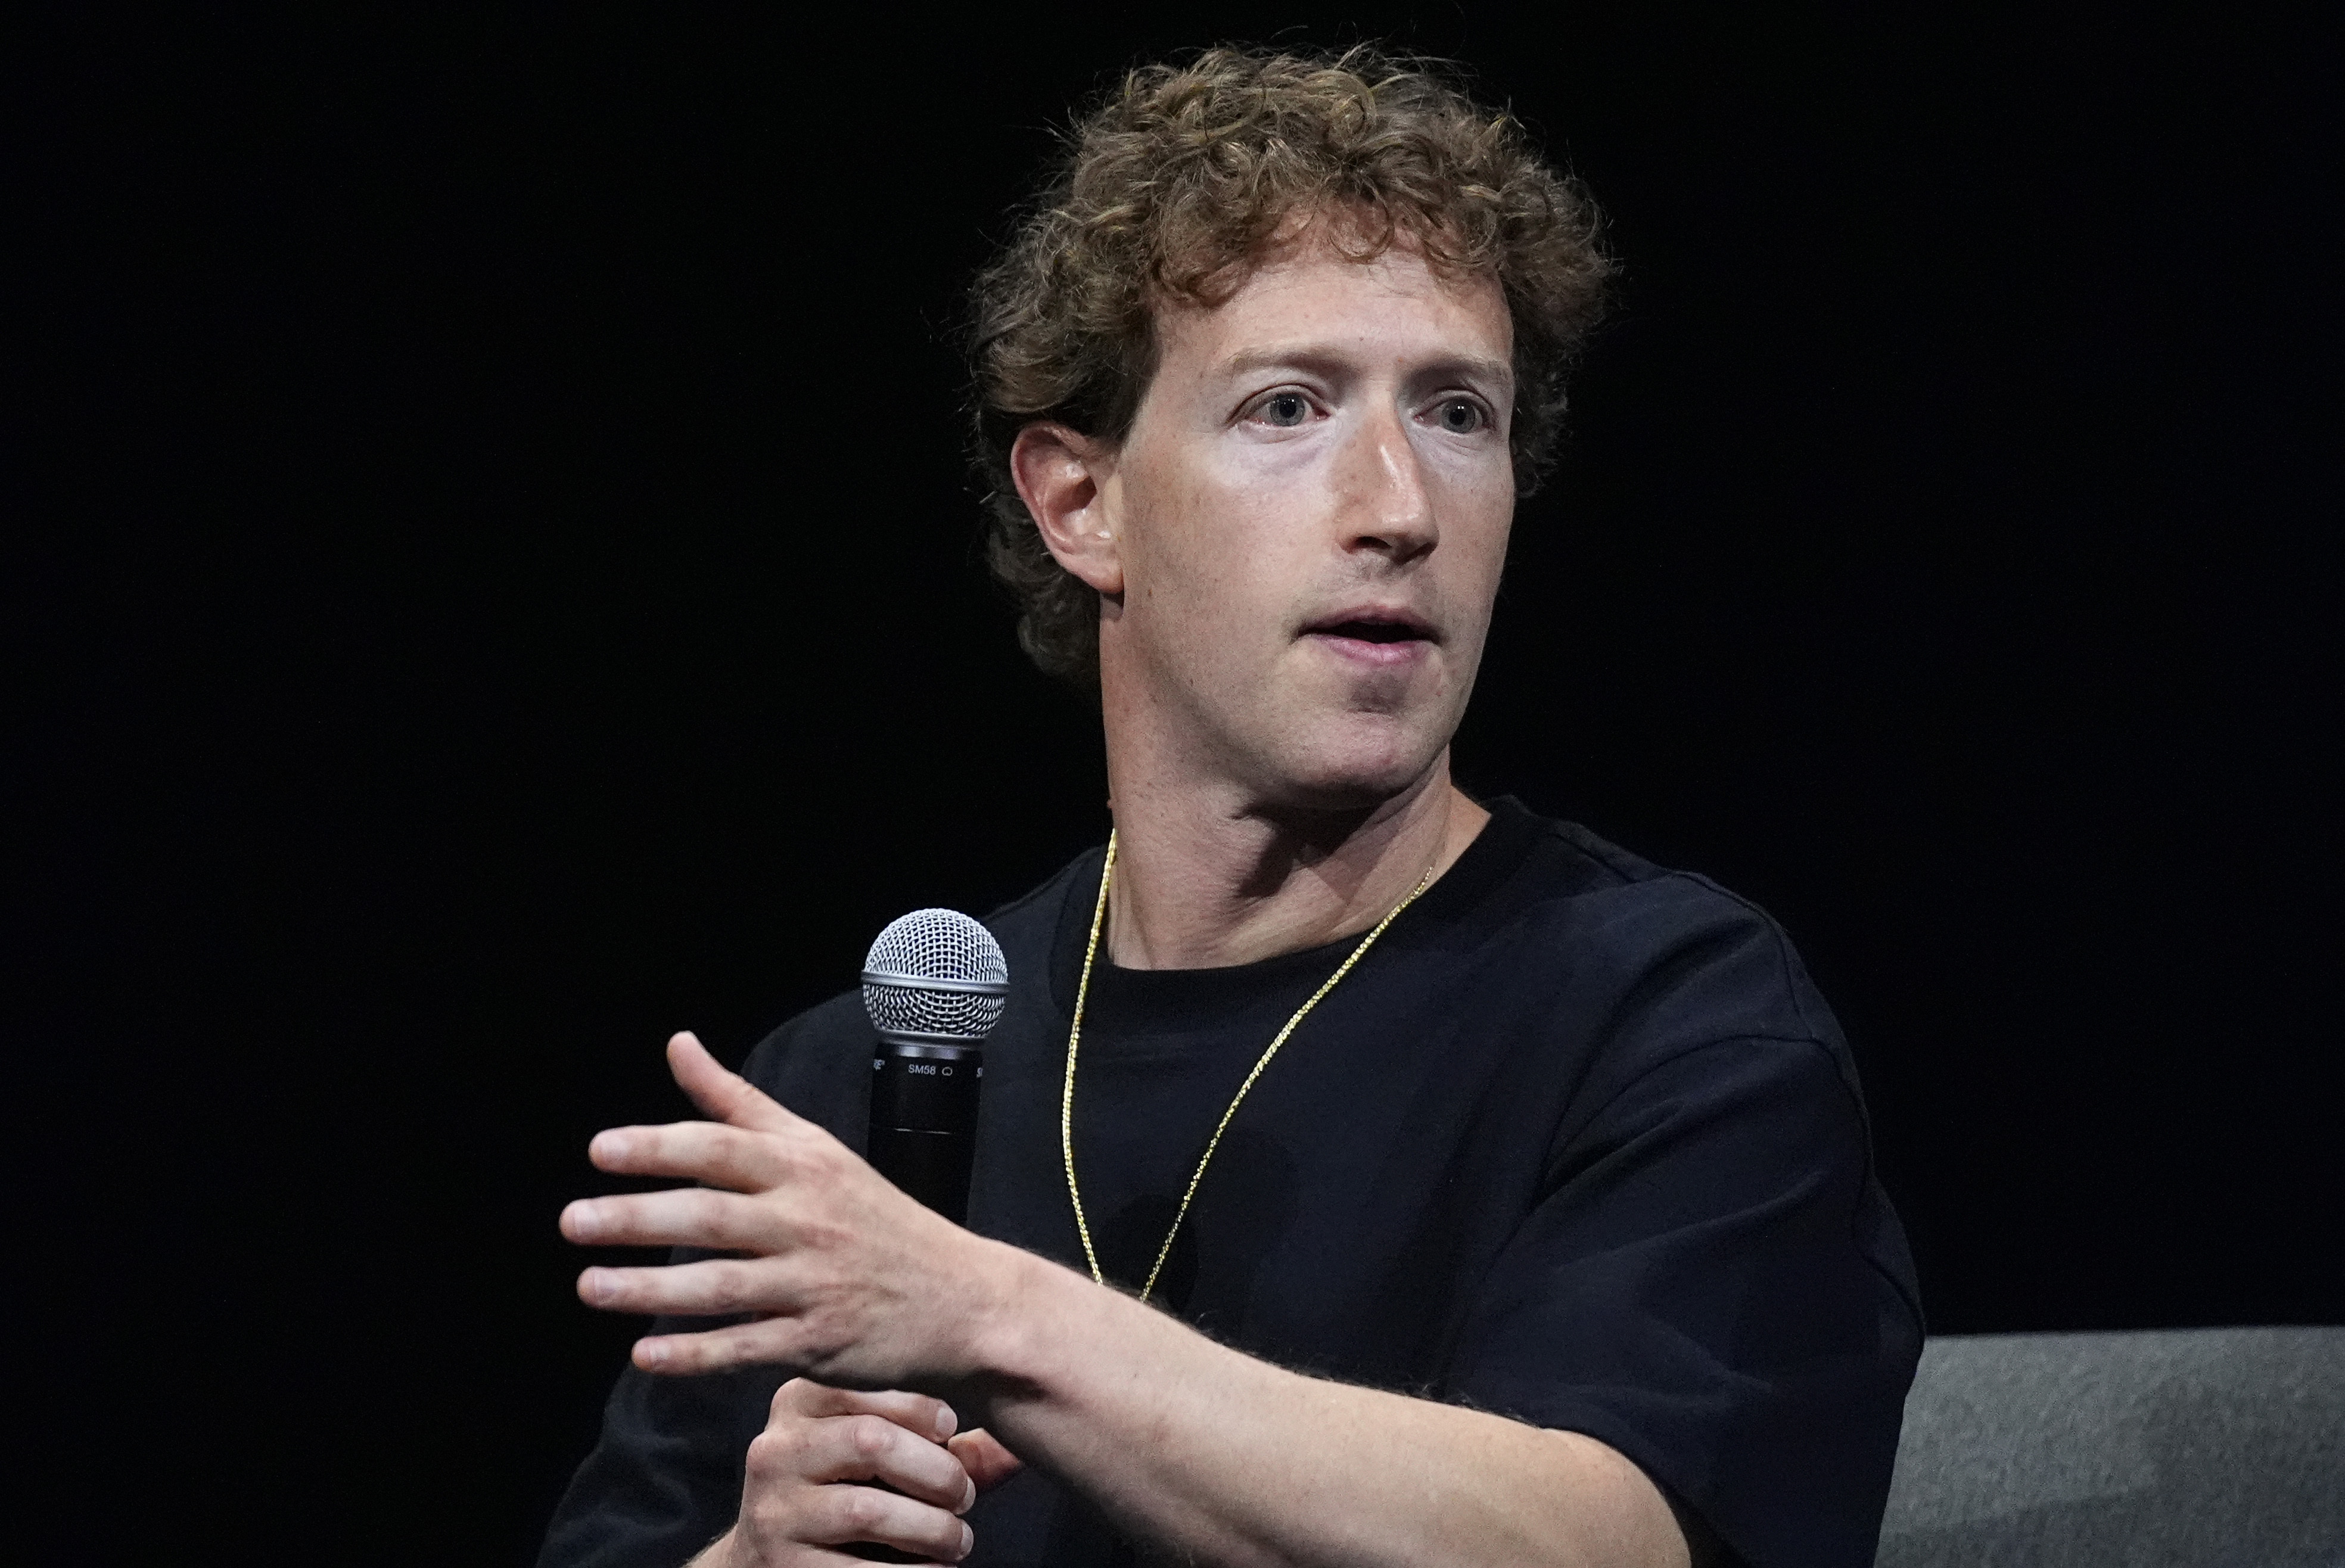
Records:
x=1493, y=1195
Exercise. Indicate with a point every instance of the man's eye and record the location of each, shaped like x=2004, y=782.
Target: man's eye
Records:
x=1462, y=416
x=1285, y=408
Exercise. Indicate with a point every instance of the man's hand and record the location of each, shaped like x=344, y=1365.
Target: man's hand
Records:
x=847, y=1278
x=798, y=1497
x=1193, y=1447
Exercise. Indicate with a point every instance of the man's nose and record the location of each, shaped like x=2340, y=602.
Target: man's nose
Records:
x=1387, y=508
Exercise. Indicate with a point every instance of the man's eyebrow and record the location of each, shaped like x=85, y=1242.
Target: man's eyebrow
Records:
x=1330, y=362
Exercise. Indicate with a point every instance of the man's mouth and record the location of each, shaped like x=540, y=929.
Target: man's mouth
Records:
x=1377, y=637
x=1372, y=631
x=1373, y=626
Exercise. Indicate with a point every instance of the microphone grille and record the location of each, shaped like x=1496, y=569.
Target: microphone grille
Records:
x=935, y=973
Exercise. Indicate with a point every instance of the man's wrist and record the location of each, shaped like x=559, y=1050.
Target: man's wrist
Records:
x=1024, y=1304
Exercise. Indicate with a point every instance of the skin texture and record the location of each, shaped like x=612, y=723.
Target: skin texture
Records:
x=1293, y=464
x=1326, y=448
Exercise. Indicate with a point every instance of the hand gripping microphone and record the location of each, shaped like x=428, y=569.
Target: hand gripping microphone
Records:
x=934, y=984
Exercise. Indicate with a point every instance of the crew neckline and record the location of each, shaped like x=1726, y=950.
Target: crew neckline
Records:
x=1224, y=988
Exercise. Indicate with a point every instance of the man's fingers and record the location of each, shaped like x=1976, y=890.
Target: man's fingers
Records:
x=727, y=1096
x=706, y=1151
x=711, y=1288
x=873, y=1447
x=773, y=1341
x=686, y=1217
x=981, y=1453
x=839, y=1514
x=922, y=1415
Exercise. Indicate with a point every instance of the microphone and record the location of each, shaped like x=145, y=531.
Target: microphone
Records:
x=935, y=984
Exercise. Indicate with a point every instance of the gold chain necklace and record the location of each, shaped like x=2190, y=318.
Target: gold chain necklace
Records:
x=1074, y=1038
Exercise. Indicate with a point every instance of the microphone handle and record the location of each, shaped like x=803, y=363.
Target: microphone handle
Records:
x=924, y=1121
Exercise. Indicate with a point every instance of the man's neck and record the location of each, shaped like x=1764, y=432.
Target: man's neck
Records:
x=1205, y=879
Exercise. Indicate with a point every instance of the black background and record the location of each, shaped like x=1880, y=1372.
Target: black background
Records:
x=503, y=586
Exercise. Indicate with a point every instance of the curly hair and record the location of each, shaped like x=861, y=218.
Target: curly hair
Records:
x=1182, y=179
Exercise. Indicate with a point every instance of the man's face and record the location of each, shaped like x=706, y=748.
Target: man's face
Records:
x=1310, y=515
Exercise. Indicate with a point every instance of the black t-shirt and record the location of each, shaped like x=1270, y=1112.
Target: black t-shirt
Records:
x=1576, y=1143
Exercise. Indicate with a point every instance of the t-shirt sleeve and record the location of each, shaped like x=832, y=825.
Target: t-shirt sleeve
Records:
x=1712, y=1285
x=665, y=1478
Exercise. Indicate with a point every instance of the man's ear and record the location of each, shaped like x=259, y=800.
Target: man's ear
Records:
x=1062, y=477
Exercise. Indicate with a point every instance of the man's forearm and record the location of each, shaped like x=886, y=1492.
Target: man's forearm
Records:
x=1221, y=1457
x=1233, y=1461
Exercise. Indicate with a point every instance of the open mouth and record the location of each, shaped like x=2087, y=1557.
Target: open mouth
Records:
x=1375, y=624
x=1374, y=638
x=1372, y=631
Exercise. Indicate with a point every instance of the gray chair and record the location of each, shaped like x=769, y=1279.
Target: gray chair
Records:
x=2209, y=1448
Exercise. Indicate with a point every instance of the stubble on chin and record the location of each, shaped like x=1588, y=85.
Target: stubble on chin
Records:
x=1344, y=759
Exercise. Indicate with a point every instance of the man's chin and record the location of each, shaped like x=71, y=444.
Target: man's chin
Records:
x=1347, y=780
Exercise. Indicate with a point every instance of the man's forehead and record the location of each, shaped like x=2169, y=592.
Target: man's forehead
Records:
x=1303, y=306
x=1316, y=354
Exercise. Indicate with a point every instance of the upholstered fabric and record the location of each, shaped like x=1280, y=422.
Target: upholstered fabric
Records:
x=2214, y=1447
